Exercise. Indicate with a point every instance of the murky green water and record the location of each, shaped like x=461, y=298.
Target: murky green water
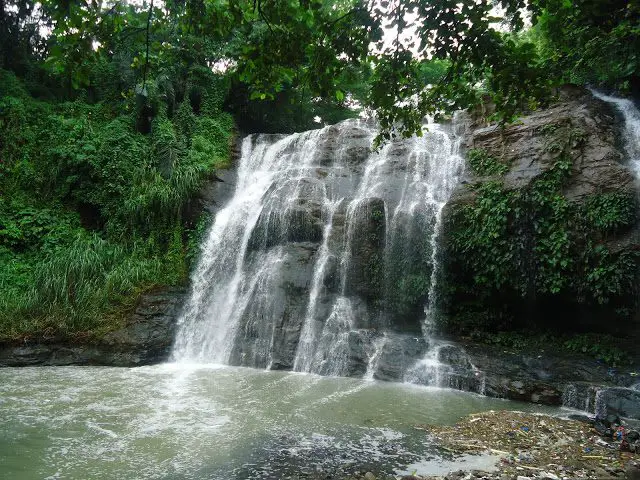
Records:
x=177, y=422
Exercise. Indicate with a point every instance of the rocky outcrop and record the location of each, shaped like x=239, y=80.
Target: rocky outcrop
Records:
x=527, y=146
x=399, y=352
x=533, y=206
x=624, y=402
x=218, y=190
x=554, y=378
x=146, y=338
x=526, y=243
x=288, y=221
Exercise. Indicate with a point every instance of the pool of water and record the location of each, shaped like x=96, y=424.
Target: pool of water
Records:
x=192, y=422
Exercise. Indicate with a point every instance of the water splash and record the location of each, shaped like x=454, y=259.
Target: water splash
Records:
x=306, y=345
x=447, y=365
x=374, y=356
x=228, y=275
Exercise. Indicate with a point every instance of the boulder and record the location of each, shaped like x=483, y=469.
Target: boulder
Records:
x=399, y=352
x=624, y=402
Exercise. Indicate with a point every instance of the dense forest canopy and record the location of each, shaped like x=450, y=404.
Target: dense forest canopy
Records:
x=289, y=51
x=112, y=114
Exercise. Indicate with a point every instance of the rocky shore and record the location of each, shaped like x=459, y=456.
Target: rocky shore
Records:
x=530, y=446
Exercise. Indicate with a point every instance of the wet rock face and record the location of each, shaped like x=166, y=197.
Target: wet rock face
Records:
x=290, y=213
x=270, y=326
x=347, y=142
x=217, y=191
x=365, y=269
x=145, y=339
x=455, y=357
x=556, y=378
x=299, y=222
x=545, y=268
x=150, y=330
x=525, y=146
x=399, y=353
x=624, y=402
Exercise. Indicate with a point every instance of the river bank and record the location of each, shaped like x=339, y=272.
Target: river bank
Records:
x=528, y=446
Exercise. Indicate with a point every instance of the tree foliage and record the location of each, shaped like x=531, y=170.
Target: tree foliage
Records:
x=427, y=56
x=93, y=212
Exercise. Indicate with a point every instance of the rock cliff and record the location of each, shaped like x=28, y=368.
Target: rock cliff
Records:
x=145, y=338
x=543, y=232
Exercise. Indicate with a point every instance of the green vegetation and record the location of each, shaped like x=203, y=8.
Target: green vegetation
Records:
x=113, y=114
x=602, y=347
x=610, y=212
x=515, y=250
x=483, y=164
x=488, y=56
x=291, y=60
x=93, y=212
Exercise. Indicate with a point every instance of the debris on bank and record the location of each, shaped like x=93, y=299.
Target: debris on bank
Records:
x=540, y=446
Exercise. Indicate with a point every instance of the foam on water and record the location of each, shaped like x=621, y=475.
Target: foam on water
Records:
x=211, y=422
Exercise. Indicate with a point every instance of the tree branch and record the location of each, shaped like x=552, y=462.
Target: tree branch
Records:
x=350, y=12
x=146, y=61
x=262, y=15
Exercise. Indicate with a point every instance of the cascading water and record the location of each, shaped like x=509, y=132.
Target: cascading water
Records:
x=444, y=364
x=631, y=116
x=325, y=256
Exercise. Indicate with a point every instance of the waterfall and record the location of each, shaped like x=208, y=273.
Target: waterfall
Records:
x=325, y=256
x=631, y=116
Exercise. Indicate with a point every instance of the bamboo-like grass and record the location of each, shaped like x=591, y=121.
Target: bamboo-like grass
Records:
x=79, y=281
x=81, y=288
